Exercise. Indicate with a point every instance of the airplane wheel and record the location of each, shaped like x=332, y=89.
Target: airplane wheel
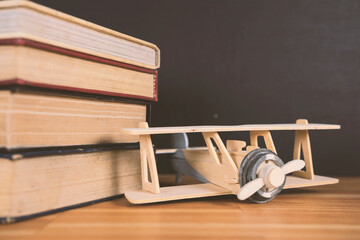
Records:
x=249, y=170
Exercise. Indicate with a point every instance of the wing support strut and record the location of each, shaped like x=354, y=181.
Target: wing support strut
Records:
x=302, y=141
x=148, y=163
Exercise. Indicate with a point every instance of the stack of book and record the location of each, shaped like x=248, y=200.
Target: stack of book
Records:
x=67, y=87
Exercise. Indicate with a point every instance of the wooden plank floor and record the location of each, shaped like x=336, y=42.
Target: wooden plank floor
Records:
x=324, y=212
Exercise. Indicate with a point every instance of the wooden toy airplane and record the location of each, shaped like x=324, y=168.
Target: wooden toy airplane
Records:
x=249, y=172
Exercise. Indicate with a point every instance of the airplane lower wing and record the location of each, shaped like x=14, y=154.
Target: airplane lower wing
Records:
x=176, y=193
x=299, y=182
x=208, y=190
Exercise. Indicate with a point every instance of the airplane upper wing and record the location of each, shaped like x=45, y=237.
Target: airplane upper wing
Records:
x=232, y=128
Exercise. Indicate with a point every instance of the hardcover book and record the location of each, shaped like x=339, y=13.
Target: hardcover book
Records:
x=33, y=119
x=24, y=62
x=28, y=20
x=42, y=181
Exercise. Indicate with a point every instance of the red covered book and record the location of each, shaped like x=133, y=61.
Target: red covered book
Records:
x=26, y=62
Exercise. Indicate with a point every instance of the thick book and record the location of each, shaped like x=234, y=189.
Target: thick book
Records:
x=31, y=119
x=42, y=181
x=24, y=19
x=25, y=62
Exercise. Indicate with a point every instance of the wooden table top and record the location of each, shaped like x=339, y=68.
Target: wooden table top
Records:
x=324, y=212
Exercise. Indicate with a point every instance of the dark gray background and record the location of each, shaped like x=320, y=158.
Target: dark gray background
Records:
x=235, y=62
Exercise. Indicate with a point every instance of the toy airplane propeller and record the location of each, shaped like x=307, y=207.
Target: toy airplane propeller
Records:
x=250, y=172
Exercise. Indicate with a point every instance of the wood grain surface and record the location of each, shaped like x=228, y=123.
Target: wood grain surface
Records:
x=323, y=212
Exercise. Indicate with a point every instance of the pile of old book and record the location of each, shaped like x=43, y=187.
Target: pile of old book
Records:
x=67, y=87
